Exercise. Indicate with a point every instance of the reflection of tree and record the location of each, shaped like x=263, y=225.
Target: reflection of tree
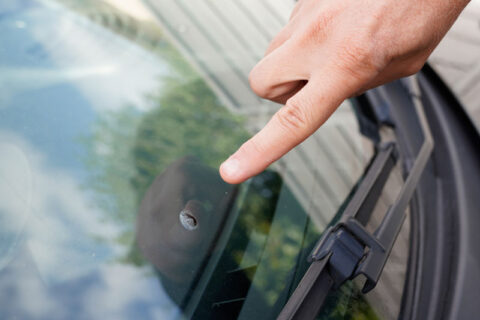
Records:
x=347, y=303
x=144, y=33
x=188, y=119
x=109, y=161
x=130, y=149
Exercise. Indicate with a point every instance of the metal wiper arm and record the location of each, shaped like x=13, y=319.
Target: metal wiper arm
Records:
x=347, y=249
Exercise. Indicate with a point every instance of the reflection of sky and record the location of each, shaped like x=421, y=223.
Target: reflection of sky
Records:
x=58, y=72
x=113, y=292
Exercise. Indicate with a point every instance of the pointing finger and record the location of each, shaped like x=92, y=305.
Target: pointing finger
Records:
x=303, y=114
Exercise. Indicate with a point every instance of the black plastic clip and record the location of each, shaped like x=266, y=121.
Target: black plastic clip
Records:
x=353, y=249
x=347, y=249
x=350, y=248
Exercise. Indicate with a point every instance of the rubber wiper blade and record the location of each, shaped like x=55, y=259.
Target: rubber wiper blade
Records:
x=347, y=249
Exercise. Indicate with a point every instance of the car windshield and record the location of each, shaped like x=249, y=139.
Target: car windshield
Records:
x=113, y=121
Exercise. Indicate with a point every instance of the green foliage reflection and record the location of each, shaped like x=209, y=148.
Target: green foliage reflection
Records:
x=131, y=148
x=347, y=303
x=187, y=119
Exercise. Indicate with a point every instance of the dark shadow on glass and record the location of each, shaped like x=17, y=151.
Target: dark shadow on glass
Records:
x=179, y=219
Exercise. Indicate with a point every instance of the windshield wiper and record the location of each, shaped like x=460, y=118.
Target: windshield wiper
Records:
x=347, y=249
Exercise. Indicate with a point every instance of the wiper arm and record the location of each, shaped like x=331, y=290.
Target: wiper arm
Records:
x=347, y=249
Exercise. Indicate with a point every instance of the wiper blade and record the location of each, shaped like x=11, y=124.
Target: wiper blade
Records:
x=347, y=249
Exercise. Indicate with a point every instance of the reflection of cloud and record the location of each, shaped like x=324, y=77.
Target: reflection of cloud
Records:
x=61, y=47
x=22, y=292
x=72, y=41
x=122, y=286
x=57, y=267
x=34, y=78
x=15, y=183
x=112, y=292
x=61, y=222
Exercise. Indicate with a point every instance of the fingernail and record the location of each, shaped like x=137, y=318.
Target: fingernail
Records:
x=231, y=167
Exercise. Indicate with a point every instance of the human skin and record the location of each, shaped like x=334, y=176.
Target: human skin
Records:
x=331, y=50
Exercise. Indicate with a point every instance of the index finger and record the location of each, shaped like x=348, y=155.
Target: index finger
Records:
x=302, y=115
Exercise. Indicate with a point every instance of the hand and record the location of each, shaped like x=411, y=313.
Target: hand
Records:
x=329, y=51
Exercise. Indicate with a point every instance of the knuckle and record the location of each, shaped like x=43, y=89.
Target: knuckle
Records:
x=258, y=82
x=361, y=58
x=414, y=67
x=356, y=53
x=317, y=31
x=292, y=117
x=261, y=81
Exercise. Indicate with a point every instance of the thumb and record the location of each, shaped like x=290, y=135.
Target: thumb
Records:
x=302, y=115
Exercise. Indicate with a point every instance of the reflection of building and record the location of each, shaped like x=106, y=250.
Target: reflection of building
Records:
x=224, y=39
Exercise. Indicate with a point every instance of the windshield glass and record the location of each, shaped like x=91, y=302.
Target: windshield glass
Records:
x=113, y=122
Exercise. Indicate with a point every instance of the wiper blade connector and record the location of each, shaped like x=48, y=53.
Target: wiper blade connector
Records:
x=347, y=249
x=347, y=239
